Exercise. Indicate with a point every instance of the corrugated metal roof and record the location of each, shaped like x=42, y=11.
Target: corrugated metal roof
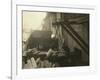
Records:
x=41, y=34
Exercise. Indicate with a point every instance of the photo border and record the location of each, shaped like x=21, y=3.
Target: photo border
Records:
x=16, y=71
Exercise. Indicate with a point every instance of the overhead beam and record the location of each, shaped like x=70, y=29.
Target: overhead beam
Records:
x=74, y=35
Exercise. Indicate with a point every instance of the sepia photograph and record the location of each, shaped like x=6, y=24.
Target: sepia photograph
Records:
x=54, y=39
